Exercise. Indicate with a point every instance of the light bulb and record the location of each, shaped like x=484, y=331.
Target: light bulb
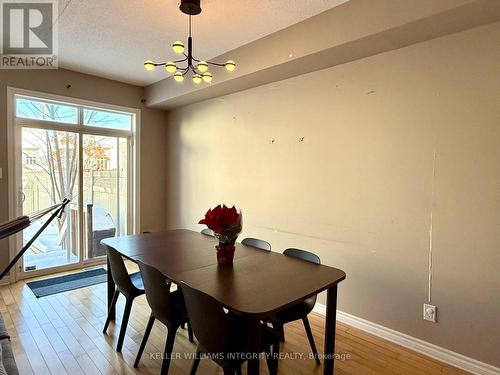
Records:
x=178, y=77
x=230, y=65
x=197, y=79
x=149, y=65
x=178, y=47
x=170, y=67
x=202, y=66
x=207, y=77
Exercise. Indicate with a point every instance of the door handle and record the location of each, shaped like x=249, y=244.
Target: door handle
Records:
x=22, y=198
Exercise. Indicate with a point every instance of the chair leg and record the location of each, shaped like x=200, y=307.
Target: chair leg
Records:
x=276, y=356
x=305, y=320
x=272, y=358
x=196, y=363
x=269, y=361
x=144, y=340
x=123, y=328
x=280, y=328
x=190, y=332
x=169, y=346
x=111, y=308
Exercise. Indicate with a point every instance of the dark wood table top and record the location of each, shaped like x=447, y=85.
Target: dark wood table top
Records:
x=257, y=284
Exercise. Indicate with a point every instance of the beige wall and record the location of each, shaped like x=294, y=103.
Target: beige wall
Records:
x=358, y=189
x=104, y=91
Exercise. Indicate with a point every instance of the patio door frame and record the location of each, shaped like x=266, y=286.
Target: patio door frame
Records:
x=14, y=135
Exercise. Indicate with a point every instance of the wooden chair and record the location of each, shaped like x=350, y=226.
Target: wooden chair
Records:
x=255, y=242
x=301, y=309
x=130, y=286
x=168, y=307
x=208, y=232
x=220, y=333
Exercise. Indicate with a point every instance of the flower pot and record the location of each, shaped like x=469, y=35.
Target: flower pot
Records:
x=225, y=252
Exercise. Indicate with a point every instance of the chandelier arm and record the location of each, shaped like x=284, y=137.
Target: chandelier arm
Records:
x=214, y=63
x=196, y=72
x=159, y=64
x=178, y=61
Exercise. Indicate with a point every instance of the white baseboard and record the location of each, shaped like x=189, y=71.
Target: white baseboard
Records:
x=444, y=355
x=5, y=281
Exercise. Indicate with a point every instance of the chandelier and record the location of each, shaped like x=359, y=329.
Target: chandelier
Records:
x=179, y=68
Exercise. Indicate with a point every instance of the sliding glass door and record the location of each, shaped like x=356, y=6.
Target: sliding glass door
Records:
x=105, y=191
x=50, y=171
x=75, y=152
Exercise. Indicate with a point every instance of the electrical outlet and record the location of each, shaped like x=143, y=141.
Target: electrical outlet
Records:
x=430, y=313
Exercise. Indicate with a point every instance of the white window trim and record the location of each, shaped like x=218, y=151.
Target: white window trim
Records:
x=12, y=92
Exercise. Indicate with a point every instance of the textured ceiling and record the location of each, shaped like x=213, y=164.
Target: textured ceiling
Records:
x=112, y=38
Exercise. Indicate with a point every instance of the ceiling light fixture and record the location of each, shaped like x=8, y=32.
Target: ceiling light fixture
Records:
x=198, y=67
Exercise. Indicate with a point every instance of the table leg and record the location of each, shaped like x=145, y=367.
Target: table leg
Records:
x=331, y=319
x=254, y=346
x=111, y=292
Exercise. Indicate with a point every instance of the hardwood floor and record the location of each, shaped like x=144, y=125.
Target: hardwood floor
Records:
x=61, y=334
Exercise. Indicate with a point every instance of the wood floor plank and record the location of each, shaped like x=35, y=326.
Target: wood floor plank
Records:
x=22, y=361
x=87, y=365
x=55, y=340
x=35, y=358
x=48, y=353
x=70, y=363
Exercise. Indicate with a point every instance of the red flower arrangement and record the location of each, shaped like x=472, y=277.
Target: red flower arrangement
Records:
x=224, y=221
x=226, y=224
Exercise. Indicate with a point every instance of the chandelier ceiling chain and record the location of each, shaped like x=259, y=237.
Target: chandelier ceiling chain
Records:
x=201, y=70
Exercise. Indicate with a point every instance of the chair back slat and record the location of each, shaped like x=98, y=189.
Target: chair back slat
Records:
x=210, y=323
x=302, y=254
x=119, y=271
x=255, y=242
x=157, y=288
x=208, y=232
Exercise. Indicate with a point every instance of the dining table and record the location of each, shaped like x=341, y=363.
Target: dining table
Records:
x=255, y=286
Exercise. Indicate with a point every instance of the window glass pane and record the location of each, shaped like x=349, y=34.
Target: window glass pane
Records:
x=48, y=111
x=110, y=120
